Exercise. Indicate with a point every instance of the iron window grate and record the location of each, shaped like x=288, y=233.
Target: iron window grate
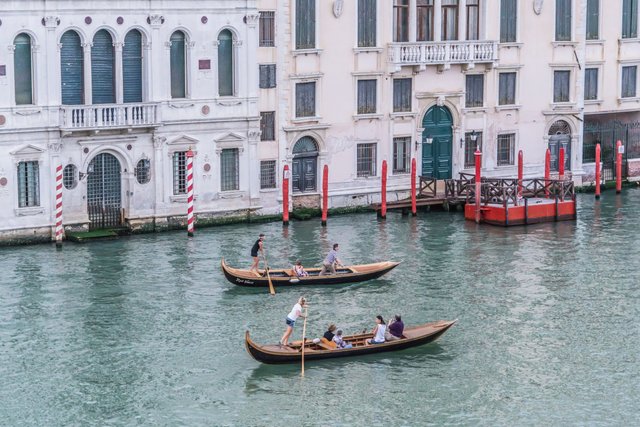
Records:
x=268, y=174
x=267, y=29
x=143, y=171
x=229, y=169
x=506, y=147
x=180, y=172
x=28, y=184
x=366, y=160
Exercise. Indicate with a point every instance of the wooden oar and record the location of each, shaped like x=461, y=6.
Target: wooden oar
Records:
x=272, y=290
x=304, y=335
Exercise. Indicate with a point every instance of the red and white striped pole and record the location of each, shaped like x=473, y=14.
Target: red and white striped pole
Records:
x=190, y=225
x=59, y=229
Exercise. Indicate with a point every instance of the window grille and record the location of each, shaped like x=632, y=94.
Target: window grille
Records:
x=507, y=89
x=629, y=81
x=267, y=29
x=268, y=174
x=508, y=20
x=424, y=20
x=180, y=172
x=367, y=96
x=366, y=160
x=305, y=24
x=401, y=154
x=561, y=88
x=401, y=95
x=229, y=169
x=28, y=184
x=475, y=91
x=267, y=126
x=506, y=148
x=306, y=99
x=143, y=171
x=69, y=177
x=267, y=76
x=470, y=149
x=367, y=13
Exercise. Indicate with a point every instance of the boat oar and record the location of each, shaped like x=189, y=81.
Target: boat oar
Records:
x=272, y=290
x=304, y=335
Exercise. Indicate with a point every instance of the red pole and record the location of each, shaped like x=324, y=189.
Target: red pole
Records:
x=561, y=164
x=520, y=171
x=597, y=171
x=547, y=172
x=285, y=195
x=414, y=209
x=325, y=193
x=190, y=223
x=478, y=159
x=383, y=208
x=619, y=150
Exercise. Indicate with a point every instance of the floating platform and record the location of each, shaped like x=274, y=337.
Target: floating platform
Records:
x=528, y=211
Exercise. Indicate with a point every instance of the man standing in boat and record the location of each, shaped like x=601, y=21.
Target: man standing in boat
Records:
x=330, y=262
x=257, y=247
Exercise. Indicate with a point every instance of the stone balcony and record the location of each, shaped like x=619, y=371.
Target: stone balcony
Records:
x=442, y=53
x=108, y=116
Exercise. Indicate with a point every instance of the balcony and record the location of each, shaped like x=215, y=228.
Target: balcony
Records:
x=108, y=116
x=442, y=53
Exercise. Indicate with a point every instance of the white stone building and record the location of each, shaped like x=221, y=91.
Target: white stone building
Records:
x=116, y=92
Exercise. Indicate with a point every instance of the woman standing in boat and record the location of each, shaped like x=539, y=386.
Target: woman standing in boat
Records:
x=291, y=318
x=257, y=247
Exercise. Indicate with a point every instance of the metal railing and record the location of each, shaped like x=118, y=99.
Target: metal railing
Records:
x=80, y=117
x=449, y=52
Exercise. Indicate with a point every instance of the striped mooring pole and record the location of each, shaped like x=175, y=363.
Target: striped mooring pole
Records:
x=59, y=229
x=190, y=225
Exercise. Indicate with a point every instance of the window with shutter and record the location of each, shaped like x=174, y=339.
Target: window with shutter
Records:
x=424, y=20
x=267, y=29
x=132, y=67
x=591, y=84
x=401, y=95
x=178, y=65
x=367, y=96
x=267, y=126
x=508, y=20
x=267, y=76
x=225, y=63
x=507, y=89
x=629, y=19
x=473, y=19
x=593, y=19
x=449, y=19
x=305, y=24
x=561, y=82
x=367, y=22
x=22, y=69
x=475, y=91
x=72, y=69
x=400, y=20
x=629, y=81
x=102, y=69
x=563, y=20
x=306, y=99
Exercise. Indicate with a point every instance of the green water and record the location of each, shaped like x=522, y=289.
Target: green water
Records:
x=146, y=330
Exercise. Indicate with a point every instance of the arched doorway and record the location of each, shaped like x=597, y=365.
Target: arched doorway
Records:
x=104, y=197
x=560, y=136
x=304, y=168
x=437, y=155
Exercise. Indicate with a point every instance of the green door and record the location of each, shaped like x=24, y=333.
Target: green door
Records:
x=437, y=156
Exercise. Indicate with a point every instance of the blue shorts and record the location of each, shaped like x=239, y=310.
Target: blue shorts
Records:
x=290, y=322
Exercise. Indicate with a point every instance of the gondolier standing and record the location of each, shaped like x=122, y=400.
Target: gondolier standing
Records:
x=257, y=247
x=330, y=262
x=291, y=318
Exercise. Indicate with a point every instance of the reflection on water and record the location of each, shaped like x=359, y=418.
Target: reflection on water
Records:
x=146, y=330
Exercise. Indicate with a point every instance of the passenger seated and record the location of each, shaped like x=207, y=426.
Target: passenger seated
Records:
x=378, y=331
x=299, y=270
x=340, y=343
x=330, y=332
x=395, y=329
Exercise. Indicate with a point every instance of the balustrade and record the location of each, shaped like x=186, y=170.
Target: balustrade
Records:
x=111, y=116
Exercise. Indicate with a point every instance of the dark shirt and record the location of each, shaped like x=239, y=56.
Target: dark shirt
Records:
x=396, y=329
x=329, y=335
x=255, y=248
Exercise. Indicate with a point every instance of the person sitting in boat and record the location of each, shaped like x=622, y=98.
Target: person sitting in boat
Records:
x=395, y=329
x=340, y=343
x=299, y=270
x=291, y=318
x=378, y=331
x=330, y=333
x=331, y=261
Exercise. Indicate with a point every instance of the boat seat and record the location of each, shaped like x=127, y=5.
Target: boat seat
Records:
x=326, y=344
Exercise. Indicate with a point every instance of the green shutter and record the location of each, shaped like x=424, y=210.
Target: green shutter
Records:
x=225, y=63
x=177, y=64
x=72, y=69
x=22, y=69
x=132, y=67
x=102, y=69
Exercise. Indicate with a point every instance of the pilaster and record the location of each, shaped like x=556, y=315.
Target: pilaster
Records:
x=437, y=20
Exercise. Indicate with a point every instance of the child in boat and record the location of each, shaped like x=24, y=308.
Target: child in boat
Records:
x=340, y=343
x=299, y=270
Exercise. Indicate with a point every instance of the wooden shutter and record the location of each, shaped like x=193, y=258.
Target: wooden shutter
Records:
x=267, y=76
x=102, y=69
x=177, y=65
x=267, y=126
x=225, y=63
x=132, y=67
x=22, y=69
x=306, y=99
x=305, y=24
x=72, y=69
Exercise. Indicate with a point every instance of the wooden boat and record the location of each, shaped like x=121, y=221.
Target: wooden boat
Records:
x=412, y=337
x=286, y=277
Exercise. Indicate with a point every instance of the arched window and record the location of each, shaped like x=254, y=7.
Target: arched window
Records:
x=22, y=69
x=225, y=63
x=132, y=67
x=304, y=165
x=560, y=137
x=178, y=65
x=71, y=69
x=102, y=69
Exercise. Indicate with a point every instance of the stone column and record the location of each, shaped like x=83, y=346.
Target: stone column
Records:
x=462, y=20
x=88, y=93
x=191, y=68
x=158, y=63
x=253, y=168
x=52, y=80
x=412, y=21
x=239, y=85
x=437, y=20
x=158, y=175
x=247, y=65
x=11, y=73
x=118, y=72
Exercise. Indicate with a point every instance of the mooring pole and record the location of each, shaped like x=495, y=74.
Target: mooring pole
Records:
x=561, y=164
x=597, y=171
x=285, y=195
x=59, y=228
x=383, y=196
x=414, y=208
x=520, y=172
x=619, y=151
x=190, y=222
x=325, y=194
x=547, y=172
x=478, y=159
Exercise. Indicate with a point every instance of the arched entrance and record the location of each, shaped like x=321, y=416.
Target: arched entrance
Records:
x=560, y=136
x=104, y=197
x=304, y=168
x=437, y=156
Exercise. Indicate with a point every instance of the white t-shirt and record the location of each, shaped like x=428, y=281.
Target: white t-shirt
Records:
x=296, y=311
x=380, y=333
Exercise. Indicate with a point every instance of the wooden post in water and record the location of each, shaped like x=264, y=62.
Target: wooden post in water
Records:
x=325, y=194
x=561, y=164
x=619, y=151
x=285, y=195
x=190, y=221
x=520, y=172
x=383, y=196
x=597, y=171
x=414, y=209
x=547, y=172
x=478, y=159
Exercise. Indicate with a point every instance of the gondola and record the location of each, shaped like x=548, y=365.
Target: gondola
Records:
x=412, y=337
x=286, y=277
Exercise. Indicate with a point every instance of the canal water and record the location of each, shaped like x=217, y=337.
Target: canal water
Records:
x=146, y=331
